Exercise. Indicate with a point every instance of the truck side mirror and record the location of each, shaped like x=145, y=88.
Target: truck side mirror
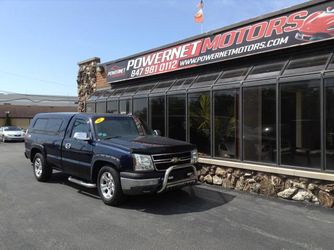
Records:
x=157, y=132
x=82, y=136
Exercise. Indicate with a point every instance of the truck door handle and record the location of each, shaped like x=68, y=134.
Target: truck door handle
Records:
x=68, y=145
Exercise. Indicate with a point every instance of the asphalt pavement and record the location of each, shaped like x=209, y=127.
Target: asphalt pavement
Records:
x=62, y=215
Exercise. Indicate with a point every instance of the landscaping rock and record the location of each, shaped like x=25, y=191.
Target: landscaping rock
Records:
x=217, y=180
x=287, y=193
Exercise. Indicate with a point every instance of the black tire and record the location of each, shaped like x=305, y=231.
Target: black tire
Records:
x=42, y=171
x=109, y=186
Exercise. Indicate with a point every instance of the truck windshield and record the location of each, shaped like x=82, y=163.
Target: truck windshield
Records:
x=114, y=127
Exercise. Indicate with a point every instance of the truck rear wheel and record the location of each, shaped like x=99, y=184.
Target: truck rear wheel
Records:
x=109, y=186
x=41, y=170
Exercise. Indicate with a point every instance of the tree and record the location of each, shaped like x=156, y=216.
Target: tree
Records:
x=8, y=121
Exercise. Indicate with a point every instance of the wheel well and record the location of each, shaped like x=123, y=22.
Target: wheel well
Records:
x=97, y=166
x=34, y=151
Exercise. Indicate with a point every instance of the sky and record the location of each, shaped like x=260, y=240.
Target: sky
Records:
x=41, y=41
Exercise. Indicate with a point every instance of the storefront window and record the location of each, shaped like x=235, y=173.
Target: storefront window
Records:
x=101, y=107
x=312, y=63
x=226, y=123
x=266, y=70
x=177, y=117
x=199, y=121
x=232, y=75
x=329, y=123
x=112, y=107
x=205, y=80
x=300, y=124
x=140, y=108
x=90, y=107
x=157, y=113
x=259, y=124
x=125, y=106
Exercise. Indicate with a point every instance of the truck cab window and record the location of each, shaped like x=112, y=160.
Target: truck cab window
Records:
x=80, y=125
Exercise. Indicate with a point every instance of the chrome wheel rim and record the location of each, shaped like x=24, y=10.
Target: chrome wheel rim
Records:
x=38, y=167
x=107, y=185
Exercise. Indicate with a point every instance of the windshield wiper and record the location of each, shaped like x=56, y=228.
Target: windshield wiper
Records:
x=111, y=137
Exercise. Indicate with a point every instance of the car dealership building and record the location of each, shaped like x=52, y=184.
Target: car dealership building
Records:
x=256, y=97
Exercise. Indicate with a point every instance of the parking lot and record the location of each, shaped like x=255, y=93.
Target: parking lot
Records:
x=62, y=215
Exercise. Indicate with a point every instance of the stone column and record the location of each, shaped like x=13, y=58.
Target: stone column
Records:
x=86, y=81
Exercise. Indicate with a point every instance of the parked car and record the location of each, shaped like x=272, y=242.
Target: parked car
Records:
x=118, y=154
x=11, y=133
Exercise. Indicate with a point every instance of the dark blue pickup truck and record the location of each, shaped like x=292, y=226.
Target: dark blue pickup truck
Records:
x=118, y=154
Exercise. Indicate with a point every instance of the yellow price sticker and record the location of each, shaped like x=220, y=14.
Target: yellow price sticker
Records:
x=99, y=120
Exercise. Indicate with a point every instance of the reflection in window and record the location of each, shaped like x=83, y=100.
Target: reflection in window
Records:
x=205, y=80
x=140, y=108
x=162, y=86
x=125, y=106
x=306, y=64
x=90, y=107
x=177, y=117
x=300, y=124
x=112, y=107
x=100, y=107
x=233, y=75
x=226, y=123
x=157, y=113
x=182, y=83
x=199, y=121
x=259, y=124
x=266, y=70
x=329, y=123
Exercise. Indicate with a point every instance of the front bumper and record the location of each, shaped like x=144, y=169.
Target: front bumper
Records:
x=174, y=177
x=14, y=138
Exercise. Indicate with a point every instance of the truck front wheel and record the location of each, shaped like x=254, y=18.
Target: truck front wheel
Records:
x=41, y=170
x=109, y=186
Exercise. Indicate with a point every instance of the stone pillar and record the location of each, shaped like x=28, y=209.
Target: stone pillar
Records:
x=86, y=81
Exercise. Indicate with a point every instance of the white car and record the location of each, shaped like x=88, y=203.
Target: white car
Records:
x=11, y=133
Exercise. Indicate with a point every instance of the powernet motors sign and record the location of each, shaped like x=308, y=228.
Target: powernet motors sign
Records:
x=307, y=25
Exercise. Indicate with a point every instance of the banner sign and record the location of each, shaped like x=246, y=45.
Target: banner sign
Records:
x=307, y=25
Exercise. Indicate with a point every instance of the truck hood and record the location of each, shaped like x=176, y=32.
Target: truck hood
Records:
x=149, y=144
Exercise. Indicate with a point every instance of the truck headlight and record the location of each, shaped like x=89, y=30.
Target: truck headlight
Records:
x=194, y=156
x=142, y=162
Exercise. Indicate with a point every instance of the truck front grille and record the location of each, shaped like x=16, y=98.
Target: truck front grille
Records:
x=164, y=161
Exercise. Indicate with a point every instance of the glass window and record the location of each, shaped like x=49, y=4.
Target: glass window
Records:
x=182, y=83
x=101, y=107
x=300, y=124
x=329, y=123
x=140, y=108
x=118, y=91
x=266, y=70
x=112, y=107
x=125, y=106
x=259, y=123
x=205, y=80
x=162, y=86
x=80, y=125
x=233, y=75
x=199, y=121
x=177, y=117
x=90, y=107
x=157, y=113
x=226, y=123
x=306, y=64
x=54, y=124
x=130, y=91
x=40, y=124
x=145, y=89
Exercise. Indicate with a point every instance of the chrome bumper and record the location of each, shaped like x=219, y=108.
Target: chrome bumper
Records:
x=158, y=185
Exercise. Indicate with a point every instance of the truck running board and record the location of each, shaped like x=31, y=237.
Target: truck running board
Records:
x=79, y=182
